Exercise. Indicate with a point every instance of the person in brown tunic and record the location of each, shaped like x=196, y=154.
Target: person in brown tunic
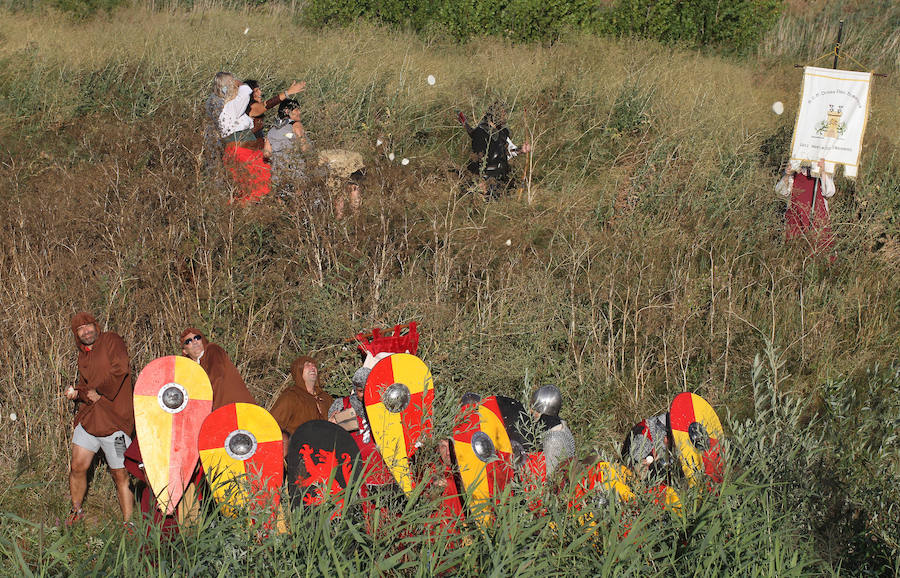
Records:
x=227, y=384
x=105, y=416
x=302, y=402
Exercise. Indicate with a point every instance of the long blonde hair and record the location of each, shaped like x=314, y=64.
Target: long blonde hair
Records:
x=222, y=84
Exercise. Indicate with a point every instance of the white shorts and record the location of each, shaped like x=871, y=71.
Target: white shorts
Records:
x=113, y=445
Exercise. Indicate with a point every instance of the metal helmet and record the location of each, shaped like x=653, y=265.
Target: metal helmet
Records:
x=547, y=400
x=469, y=398
x=359, y=377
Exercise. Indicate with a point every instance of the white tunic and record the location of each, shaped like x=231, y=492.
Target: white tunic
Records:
x=234, y=117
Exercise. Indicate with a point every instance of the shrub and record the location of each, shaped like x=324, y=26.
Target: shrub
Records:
x=535, y=20
x=86, y=8
x=735, y=25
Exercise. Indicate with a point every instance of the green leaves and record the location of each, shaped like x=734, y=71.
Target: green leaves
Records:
x=734, y=26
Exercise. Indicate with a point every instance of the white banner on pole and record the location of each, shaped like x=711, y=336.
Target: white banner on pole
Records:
x=834, y=108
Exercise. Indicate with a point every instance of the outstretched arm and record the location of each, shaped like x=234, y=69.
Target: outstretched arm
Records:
x=294, y=88
x=463, y=121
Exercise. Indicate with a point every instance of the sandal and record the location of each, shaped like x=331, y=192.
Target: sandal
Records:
x=75, y=516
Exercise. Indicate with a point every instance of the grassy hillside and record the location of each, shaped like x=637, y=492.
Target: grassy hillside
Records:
x=644, y=258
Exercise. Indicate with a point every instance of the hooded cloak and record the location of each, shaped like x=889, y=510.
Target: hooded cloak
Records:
x=227, y=384
x=103, y=366
x=296, y=406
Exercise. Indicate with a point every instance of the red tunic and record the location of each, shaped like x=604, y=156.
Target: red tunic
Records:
x=377, y=473
x=800, y=207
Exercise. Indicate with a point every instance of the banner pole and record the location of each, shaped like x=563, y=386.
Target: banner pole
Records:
x=837, y=45
x=812, y=205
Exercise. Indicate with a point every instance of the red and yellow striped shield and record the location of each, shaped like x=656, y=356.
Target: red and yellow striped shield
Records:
x=172, y=397
x=398, y=395
x=241, y=452
x=484, y=455
x=696, y=430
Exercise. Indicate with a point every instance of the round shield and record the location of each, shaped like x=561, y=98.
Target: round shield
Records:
x=398, y=394
x=242, y=454
x=172, y=397
x=696, y=431
x=322, y=459
x=599, y=482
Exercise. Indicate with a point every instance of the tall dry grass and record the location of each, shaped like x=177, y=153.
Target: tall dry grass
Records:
x=645, y=259
x=808, y=29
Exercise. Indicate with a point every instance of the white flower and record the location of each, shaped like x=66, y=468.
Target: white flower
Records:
x=431, y=79
x=405, y=161
x=509, y=242
x=391, y=156
x=378, y=143
x=778, y=107
x=13, y=416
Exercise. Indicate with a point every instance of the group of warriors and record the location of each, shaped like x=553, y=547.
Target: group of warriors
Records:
x=188, y=415
x=190, y=433
x=260, y=159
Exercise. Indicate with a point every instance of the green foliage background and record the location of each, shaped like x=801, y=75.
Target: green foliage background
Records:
x=733, y=25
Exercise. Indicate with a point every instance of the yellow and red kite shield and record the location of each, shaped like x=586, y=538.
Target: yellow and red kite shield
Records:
x=483, y=453
x=241, y=452
x=172, y=397
x=398, y=395
x=696, y=430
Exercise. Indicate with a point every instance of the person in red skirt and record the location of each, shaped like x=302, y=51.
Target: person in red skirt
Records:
x=807, y=214
x=242, y=157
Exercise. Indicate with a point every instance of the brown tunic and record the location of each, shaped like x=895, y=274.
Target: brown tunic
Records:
x=105, y=367
x=296, y=406
x=227, y=384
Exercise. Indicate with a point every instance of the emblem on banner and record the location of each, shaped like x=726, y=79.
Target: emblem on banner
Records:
x=832, y=127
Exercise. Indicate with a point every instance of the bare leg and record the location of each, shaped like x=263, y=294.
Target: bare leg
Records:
x=78, y=467
x=188, y=510
x=355, y=199
x=123, y=492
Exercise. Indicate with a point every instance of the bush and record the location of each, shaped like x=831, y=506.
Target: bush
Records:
x=534, y=20
x=86, y=8
x=835, y=470
x=735, y=25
